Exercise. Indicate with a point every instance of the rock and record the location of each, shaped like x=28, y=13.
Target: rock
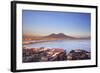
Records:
x=44, y=58
x=78, y=54
x=53, y=54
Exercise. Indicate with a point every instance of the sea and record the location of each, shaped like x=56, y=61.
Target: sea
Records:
x=67, y=45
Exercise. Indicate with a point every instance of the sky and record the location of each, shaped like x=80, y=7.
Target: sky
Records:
x=42, y=23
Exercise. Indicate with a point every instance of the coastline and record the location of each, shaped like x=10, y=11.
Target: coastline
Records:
x=26, y=42
x=43, y=54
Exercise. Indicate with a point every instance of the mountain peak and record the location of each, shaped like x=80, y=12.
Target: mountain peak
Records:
x=59, y=35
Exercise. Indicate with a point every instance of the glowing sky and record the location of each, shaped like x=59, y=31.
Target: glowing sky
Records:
x=46, y=22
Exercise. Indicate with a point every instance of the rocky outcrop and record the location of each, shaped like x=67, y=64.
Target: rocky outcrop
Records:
x=53, y=54
x=43, y=54
x=78, y=55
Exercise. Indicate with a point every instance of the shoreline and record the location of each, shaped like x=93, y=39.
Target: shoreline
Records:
x=41, y=41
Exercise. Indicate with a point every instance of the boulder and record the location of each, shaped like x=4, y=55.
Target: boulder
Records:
x=78, y=54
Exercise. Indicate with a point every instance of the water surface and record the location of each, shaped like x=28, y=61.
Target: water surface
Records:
x=68, y=45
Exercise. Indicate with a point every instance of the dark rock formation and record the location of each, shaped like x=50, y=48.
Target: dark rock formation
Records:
x=54, y=54
x=78, y=55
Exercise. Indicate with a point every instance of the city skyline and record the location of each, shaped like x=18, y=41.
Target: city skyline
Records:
x=42, y=23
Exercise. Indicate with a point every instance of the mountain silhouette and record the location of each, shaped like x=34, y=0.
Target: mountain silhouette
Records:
x=59, y=35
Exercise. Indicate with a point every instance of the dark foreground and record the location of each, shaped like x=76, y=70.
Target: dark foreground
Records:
x=53, y=54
